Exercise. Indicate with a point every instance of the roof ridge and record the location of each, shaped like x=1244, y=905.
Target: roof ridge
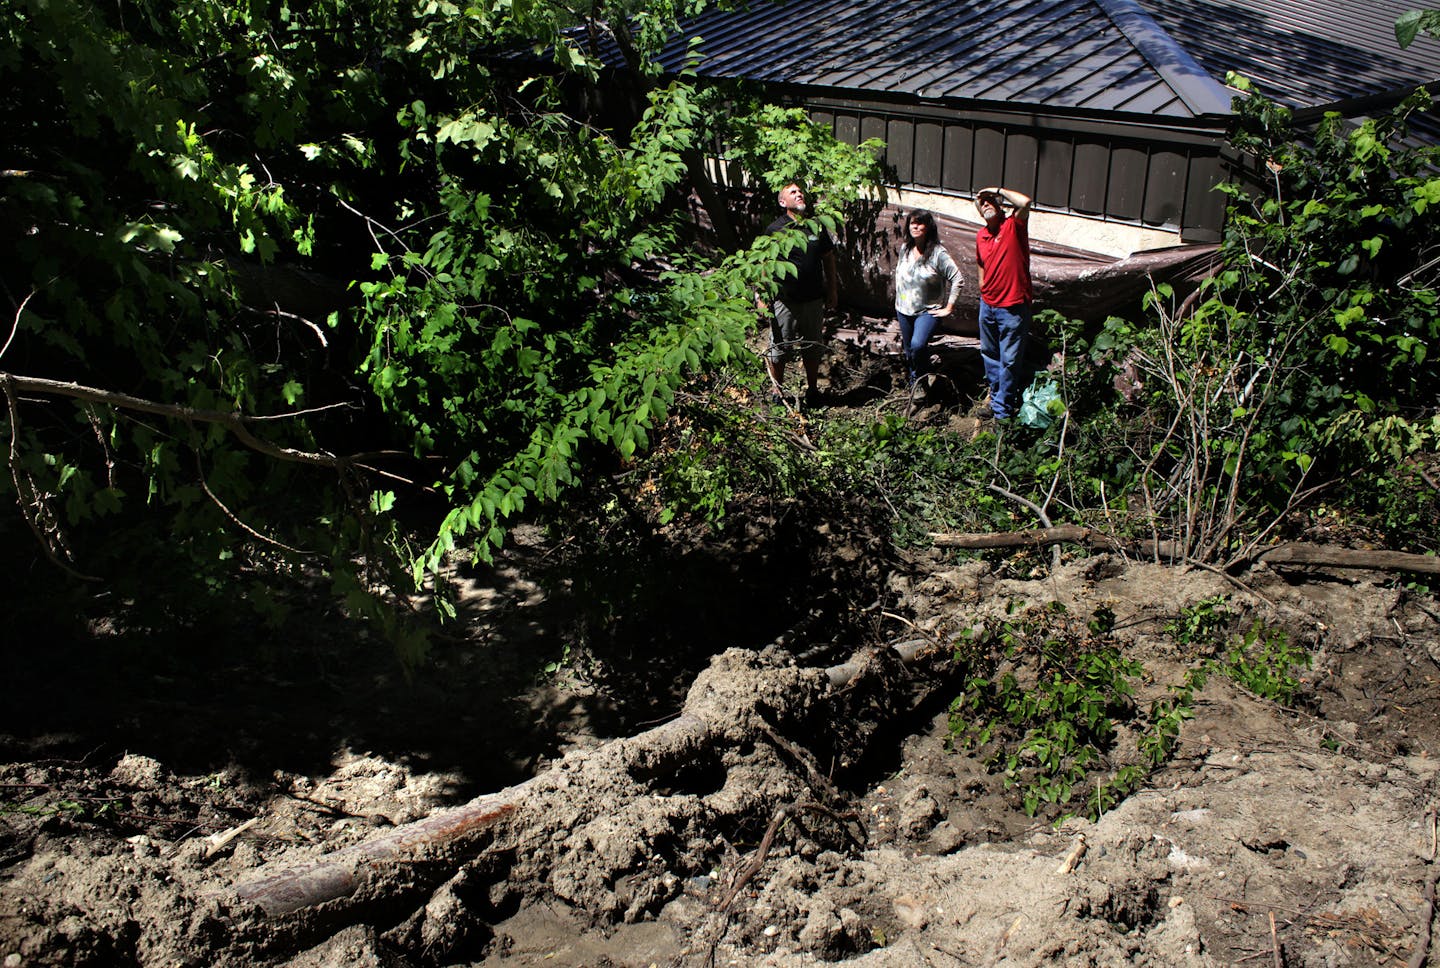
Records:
x=1201, y=93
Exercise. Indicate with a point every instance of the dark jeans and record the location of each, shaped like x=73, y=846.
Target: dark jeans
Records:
x=1003, y=330
x=915, y=332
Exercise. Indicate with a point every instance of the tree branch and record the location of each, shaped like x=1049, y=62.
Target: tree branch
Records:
x=656, y=752
x=234, y=422
x=29, y=513
x=205, y=485
x=15, y=328
x=1292, y=553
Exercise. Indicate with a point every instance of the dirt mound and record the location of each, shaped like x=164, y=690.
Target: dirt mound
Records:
x=792, y=815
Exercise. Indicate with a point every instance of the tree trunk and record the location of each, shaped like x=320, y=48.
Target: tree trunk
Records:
x=1376, y=559
x=708, y=718
x=1292, y=553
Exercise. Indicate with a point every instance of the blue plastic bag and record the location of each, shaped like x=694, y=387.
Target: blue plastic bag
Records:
x=1040, y=404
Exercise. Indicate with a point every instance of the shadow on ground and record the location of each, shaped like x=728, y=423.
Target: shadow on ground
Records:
x=549, y=652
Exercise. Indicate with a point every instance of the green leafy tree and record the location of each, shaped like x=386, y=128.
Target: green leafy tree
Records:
x=145, y=175
x=1304, y=363
x=527, y=296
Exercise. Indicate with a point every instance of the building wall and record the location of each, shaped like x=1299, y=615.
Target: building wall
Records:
x=1115, y=239
x=1108, y=186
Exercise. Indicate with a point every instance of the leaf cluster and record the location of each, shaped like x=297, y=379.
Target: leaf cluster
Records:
x=1043, y=700
x=526, y=300
x=1300, y=366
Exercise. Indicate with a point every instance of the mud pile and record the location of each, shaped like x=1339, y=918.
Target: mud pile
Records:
x=790, y=815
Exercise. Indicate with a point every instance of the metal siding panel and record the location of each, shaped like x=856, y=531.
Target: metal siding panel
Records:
x=1092, y=168
x=1301, y=53
x=735, y=175
x=930, y=50
x=1063, y=73
x=1204, y=206
x=1021, y=152
x=1053, y=166
x=864, y=44
x=1070, y=63
x=1127, y=183
x=1164, y=189
x=1065, y=53
x=871, y=127
x=929, y=154
x=900, y=148
x=959, y=158
x=989, y=163
x=1155, y=99
x=1123, y=81
x=1005, y=56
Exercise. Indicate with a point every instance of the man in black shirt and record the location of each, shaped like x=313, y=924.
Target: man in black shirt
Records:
x=801, y=299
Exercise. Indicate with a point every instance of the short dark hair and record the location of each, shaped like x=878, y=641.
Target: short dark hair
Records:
x=922, y=216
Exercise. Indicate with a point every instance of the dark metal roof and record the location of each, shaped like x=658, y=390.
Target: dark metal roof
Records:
x=1163, y=59
x=1094, y=55
x=1304, y=54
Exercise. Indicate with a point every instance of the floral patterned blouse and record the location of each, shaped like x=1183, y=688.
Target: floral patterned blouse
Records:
x=924, y=283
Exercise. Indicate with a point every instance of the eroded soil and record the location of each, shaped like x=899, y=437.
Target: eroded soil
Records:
x=810, y=820
x=912, y=853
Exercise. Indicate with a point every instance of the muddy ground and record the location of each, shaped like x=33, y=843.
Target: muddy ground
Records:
x=808, y=818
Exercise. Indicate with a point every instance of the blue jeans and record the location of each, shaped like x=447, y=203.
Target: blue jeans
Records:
x=915, y=334
x=1002, y=349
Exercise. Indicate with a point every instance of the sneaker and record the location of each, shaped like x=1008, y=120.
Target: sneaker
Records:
x=777, y=399
x=814, y=397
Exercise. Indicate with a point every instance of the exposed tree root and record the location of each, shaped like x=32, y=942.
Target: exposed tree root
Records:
x=1421, y=954
x=717, y=715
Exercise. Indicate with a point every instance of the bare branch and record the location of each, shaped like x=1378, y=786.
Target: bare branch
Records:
x=1039, y=511
x=205, y=485
x=234, y=422
x=277, y=311
x=15, y=327
x=31, y=507
x=303, y=413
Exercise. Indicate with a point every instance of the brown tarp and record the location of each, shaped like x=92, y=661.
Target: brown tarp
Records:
x=1079, y=284
x=1075, y=282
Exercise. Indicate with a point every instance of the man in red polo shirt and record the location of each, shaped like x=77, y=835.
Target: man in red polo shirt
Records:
x=1002, y=250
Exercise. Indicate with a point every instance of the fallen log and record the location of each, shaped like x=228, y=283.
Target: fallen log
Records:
x=1034, y=538
x=1058, y=534
x=339, y=874
x=1337, y=557
x=1290, y=553
x=648, y=755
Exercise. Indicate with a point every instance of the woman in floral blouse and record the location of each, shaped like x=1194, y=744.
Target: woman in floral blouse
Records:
x=927, y=283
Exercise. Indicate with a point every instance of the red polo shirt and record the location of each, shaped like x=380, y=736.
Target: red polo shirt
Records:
x=1005, y=257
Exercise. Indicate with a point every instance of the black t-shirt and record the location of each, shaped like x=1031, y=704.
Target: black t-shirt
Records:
x=809, y=281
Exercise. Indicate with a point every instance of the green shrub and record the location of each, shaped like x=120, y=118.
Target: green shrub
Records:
x=1264, y=661
x=1202, y=623
x=1043, y=700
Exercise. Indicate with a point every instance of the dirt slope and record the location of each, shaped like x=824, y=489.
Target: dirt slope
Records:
x=889, y=847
